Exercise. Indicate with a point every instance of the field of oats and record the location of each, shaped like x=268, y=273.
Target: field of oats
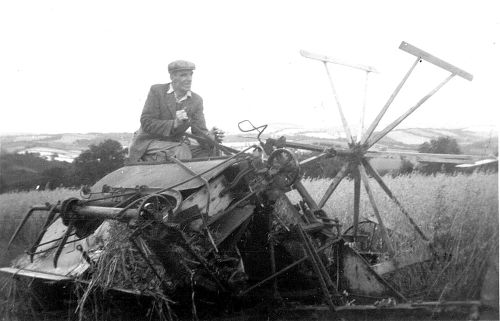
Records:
x=458, y=213
x=13, y=207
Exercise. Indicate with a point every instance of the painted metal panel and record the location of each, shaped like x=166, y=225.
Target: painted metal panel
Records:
x=71, y=262
x=163, y=175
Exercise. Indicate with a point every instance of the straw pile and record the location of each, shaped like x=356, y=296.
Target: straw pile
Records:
x=121, y=266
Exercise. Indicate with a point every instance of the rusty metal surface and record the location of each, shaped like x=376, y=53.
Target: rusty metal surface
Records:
x=162, y=175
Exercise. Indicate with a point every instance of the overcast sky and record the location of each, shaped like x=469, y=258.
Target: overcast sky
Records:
x=86, y=66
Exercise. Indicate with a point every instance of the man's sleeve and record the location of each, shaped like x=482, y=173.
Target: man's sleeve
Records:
x=198, y=125
x=150, y=117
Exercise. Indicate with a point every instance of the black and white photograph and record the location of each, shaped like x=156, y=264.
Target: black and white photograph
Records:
x=249, y=160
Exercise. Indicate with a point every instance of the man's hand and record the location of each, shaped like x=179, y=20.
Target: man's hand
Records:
x=216, y=134
x=180, y=117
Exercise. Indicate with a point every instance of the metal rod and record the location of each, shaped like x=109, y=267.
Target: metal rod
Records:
x=256, y=285
x=386, y=189
x=374, y=124
x=383, y=230
x=225, y=149
x=315, y=264
x=109, y=197
x=63, y=243
x=339, y=107
x=208, y=170
x=204, y=218
x=391, y=126
x=53, y=247
x=319, y=262
x=336, y=181
x=25, y=219
x=51, y=217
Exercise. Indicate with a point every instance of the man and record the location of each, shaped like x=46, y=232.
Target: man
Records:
x=169, y=111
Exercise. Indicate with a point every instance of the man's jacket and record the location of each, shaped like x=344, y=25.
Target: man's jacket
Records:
x=157, y=119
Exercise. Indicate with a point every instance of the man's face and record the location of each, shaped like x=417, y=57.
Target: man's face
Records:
x=181, y=79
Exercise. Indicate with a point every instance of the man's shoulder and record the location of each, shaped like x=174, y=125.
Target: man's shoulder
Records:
x=160, y=87
x=195, y=96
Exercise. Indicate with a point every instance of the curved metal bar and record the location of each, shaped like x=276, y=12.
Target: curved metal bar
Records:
x=25, y=219
x=50, y=219
x=63, y=243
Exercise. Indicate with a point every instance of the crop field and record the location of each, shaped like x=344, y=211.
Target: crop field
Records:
x=459, y=213
x=13, y=207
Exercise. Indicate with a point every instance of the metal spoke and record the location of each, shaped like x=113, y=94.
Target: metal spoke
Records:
x=386, y=189
x=383, y=230
x=373, y=125
x=390, y=127
x=342, y=117
x=336, y=181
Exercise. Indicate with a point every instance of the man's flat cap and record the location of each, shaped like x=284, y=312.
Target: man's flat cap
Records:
x=180, y=65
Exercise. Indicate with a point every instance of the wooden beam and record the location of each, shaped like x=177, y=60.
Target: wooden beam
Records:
x=339, y=107
x=386, y=189
x=383, y=230
x=357, y=194
x=434, y=60
x=424, y=157
x=374, y=124
x=324, y=58
x=391, y=126
x=336, y=181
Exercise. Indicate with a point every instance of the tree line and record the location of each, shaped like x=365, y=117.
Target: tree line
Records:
x=29, y=171
x=328, y=168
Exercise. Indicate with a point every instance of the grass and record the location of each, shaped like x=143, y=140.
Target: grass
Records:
x=13, y=207
x=458, y=213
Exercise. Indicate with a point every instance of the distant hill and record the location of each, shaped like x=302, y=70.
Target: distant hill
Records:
x=67, y=146
x=62, y=147
x=472, y=140
x=26, y=171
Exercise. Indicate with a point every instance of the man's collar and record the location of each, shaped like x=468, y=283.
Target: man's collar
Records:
x=171, y=90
